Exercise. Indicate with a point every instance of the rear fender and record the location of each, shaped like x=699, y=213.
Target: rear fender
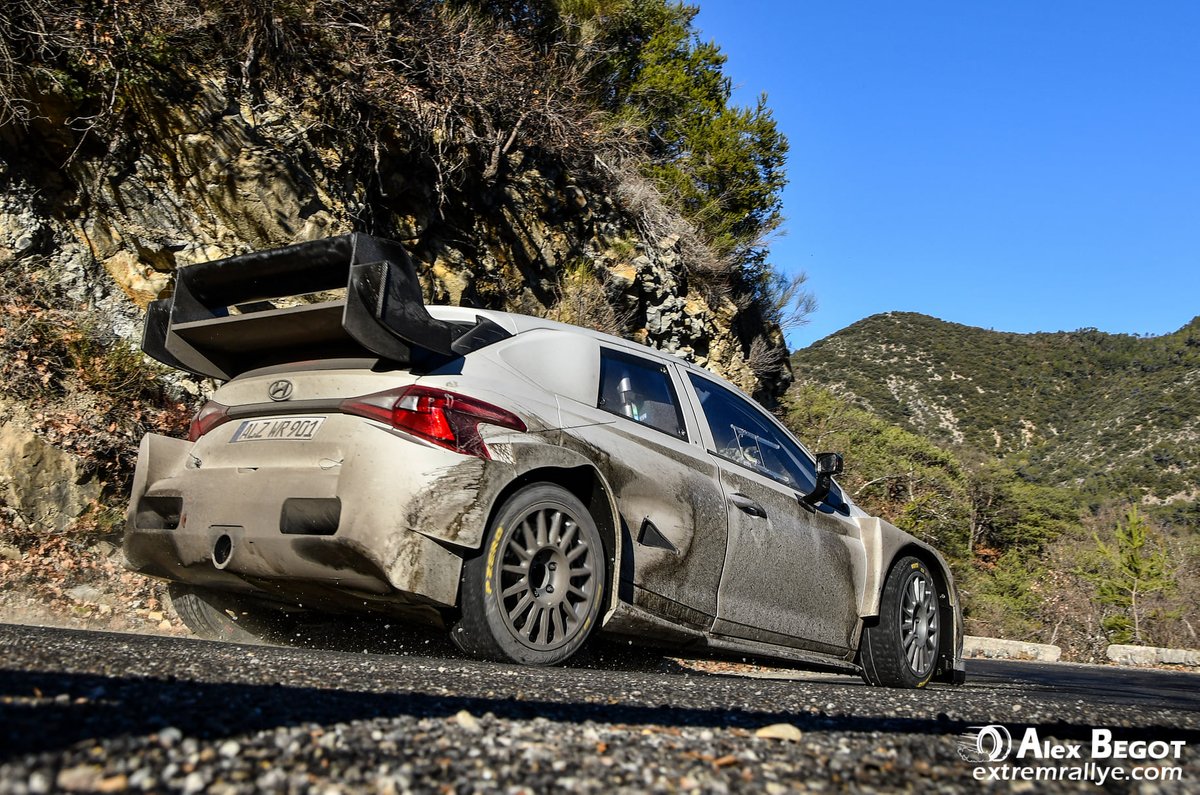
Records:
x=547, y=462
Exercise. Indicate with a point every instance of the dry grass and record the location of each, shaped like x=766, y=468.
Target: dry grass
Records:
x=583, y=301
x=85, y=390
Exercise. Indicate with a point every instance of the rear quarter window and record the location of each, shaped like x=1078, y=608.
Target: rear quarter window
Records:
x=639, y=389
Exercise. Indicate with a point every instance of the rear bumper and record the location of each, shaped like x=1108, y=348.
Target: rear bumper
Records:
x=377, y=532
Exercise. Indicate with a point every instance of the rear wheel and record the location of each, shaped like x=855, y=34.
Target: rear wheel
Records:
x=902, y=648
x=220, y=616
x=534, y=596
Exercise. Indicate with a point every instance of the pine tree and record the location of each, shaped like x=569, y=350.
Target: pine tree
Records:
x=1135, y=566
x=722, y=166
x=724, y=162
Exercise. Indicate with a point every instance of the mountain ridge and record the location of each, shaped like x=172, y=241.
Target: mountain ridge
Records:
x=1114, y=415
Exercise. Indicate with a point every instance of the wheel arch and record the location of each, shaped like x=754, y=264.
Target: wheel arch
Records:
x=950, y=618
x=885, y=544
x=589, y=486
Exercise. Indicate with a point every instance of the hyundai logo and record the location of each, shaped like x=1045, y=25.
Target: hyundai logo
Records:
x=280, y=390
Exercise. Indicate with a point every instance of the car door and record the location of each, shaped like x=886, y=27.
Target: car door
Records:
x=667, y=488
x=790, y=573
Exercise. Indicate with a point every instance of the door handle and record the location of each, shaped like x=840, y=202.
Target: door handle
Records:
x=747, y=505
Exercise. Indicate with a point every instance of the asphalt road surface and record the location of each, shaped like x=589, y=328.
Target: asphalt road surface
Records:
x=102, y=712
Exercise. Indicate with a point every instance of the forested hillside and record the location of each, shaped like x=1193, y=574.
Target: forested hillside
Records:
x=1112, y=414
x=1057, y=470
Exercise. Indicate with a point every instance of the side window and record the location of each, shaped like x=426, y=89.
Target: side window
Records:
x=744, y=436
x=639, y=389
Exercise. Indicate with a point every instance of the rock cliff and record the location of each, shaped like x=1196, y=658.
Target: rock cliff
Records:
x=115, y=173
x=207, y=178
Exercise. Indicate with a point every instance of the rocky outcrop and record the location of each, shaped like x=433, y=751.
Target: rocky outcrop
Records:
x=107, y=189
x=206, y=177
x=42, y=486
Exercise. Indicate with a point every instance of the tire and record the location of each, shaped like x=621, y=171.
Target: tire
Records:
x=534, y=595
x=219, y=616
x=903, y=647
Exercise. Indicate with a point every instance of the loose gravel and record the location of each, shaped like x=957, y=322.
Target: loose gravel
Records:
x=103, y=712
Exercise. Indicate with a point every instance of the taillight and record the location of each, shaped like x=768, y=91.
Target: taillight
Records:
x=444, y=418
x=210, y=415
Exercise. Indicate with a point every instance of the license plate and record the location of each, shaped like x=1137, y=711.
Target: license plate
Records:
x=280, y=429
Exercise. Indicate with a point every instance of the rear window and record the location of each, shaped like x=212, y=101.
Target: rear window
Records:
x=640, y=390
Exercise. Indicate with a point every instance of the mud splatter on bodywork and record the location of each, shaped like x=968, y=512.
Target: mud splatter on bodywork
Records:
x=422, y=566
x=788, y=573
x=672, y=483
x=454, y=507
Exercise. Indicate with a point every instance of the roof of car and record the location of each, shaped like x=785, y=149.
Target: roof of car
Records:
x=518, y=324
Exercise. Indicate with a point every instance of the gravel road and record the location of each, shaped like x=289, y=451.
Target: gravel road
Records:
x=103, y=712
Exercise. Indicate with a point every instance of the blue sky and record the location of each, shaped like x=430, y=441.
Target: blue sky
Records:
x=1017, y=165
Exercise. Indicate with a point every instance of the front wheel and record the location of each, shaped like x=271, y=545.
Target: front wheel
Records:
x=902, y=647
x=534, y=594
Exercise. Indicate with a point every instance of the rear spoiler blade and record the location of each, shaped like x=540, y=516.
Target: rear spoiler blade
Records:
x=382, y=314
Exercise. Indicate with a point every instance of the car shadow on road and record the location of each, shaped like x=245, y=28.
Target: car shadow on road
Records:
x=46, y=712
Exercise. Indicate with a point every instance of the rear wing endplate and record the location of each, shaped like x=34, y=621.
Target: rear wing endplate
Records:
x=220, y=322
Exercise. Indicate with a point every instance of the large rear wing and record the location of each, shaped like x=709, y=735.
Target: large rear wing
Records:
x=220, y=321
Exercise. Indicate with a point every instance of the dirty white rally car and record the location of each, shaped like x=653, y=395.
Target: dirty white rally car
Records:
x=521, y=482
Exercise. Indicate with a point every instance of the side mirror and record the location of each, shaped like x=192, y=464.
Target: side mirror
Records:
x=828, y=465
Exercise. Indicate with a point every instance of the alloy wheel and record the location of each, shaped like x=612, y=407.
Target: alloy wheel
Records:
x=919, y=623
x=546, y=579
